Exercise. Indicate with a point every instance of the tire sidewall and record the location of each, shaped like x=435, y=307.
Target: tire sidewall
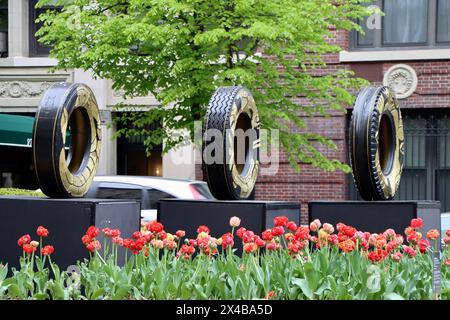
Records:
x=372, y=182
x=220, y=172
x=65, y=183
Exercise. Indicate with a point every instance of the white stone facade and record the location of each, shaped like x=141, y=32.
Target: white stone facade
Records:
x=23, y=79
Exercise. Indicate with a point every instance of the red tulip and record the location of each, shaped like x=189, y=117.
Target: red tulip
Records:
x=42, y=232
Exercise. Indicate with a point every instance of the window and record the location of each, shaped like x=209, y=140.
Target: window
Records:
x=426, y=171
x=364, y=40
x=443, y=21
x=443, y=162
x=3, y=15
x=36, y=48
x=119, y=193
x=3, y=28
x=156, y=195
x=132, y=157
x=407, y=23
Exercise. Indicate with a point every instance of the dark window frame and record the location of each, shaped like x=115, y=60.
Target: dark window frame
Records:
x=35, y=48
x=440, y=43
x=378, y=40
x=5, y=7
x=125, y=145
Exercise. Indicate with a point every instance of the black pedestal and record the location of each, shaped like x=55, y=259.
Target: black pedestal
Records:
x=257, y=216
x=377, y=216
x=66, y=219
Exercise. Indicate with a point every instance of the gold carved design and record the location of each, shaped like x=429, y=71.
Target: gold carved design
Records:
x=77, y=183
x=245, y=181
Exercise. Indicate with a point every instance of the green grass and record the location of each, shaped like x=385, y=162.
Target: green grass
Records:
x=19, y=192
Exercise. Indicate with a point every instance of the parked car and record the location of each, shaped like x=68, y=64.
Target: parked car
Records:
x=149, y=190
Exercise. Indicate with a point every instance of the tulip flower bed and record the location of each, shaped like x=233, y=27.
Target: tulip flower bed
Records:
x=285, y=262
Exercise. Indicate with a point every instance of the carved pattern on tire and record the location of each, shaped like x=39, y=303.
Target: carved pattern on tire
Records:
x=228, y=110
x=66, y=105
x=376, y=144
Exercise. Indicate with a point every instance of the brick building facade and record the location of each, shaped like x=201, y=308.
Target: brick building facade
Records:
x=425, y=111
x=415, y=33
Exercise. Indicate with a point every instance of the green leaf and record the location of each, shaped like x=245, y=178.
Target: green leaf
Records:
x=41, y=296
x=200, y=292
x=57, y=291
x=15, y=291
x=304, y=286
x=323, y=258
x=97, y=294
x=258, y=272
x=393, y=296
x=311, y=275
x=3, y=273
x=122, y=292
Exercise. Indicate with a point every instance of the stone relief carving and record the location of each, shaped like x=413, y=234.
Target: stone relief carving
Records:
x=402, y=79
x=23, y=89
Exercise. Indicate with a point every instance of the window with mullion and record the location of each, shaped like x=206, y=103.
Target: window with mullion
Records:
x=443, y=21
x=36, y=48
x=443, y=163
x=407, y=23
x=368, y=38
x=3, y=15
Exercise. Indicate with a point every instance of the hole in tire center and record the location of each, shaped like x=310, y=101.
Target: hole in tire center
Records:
x=386, y=143
x=79, y=135
x=241, y=157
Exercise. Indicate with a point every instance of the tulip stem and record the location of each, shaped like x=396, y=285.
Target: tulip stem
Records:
x=100, y=257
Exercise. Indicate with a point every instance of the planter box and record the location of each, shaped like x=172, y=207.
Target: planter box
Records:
x=377, y=216
x=67, y=221
x=257, y=216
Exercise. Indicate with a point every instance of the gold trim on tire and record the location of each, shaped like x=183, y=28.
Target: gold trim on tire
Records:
x=77, y=183
x=232, y=111
x=387, y=174
x=246, y=180
x=65, y=106
x=376, y=144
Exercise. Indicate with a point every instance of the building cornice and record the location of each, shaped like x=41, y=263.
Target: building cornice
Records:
x=27, y=62
x=394, y=55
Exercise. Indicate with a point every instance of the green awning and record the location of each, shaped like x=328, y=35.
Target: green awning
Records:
x=16, y=130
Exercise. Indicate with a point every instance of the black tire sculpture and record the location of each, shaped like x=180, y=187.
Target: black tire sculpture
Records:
x=231, y=166
x=376, y=144
x=66, y=106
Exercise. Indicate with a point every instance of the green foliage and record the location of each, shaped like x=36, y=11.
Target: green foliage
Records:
x=295, y=266
x=20, y=192
x=35, y=280
x=328, y=275
x=182, y=50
